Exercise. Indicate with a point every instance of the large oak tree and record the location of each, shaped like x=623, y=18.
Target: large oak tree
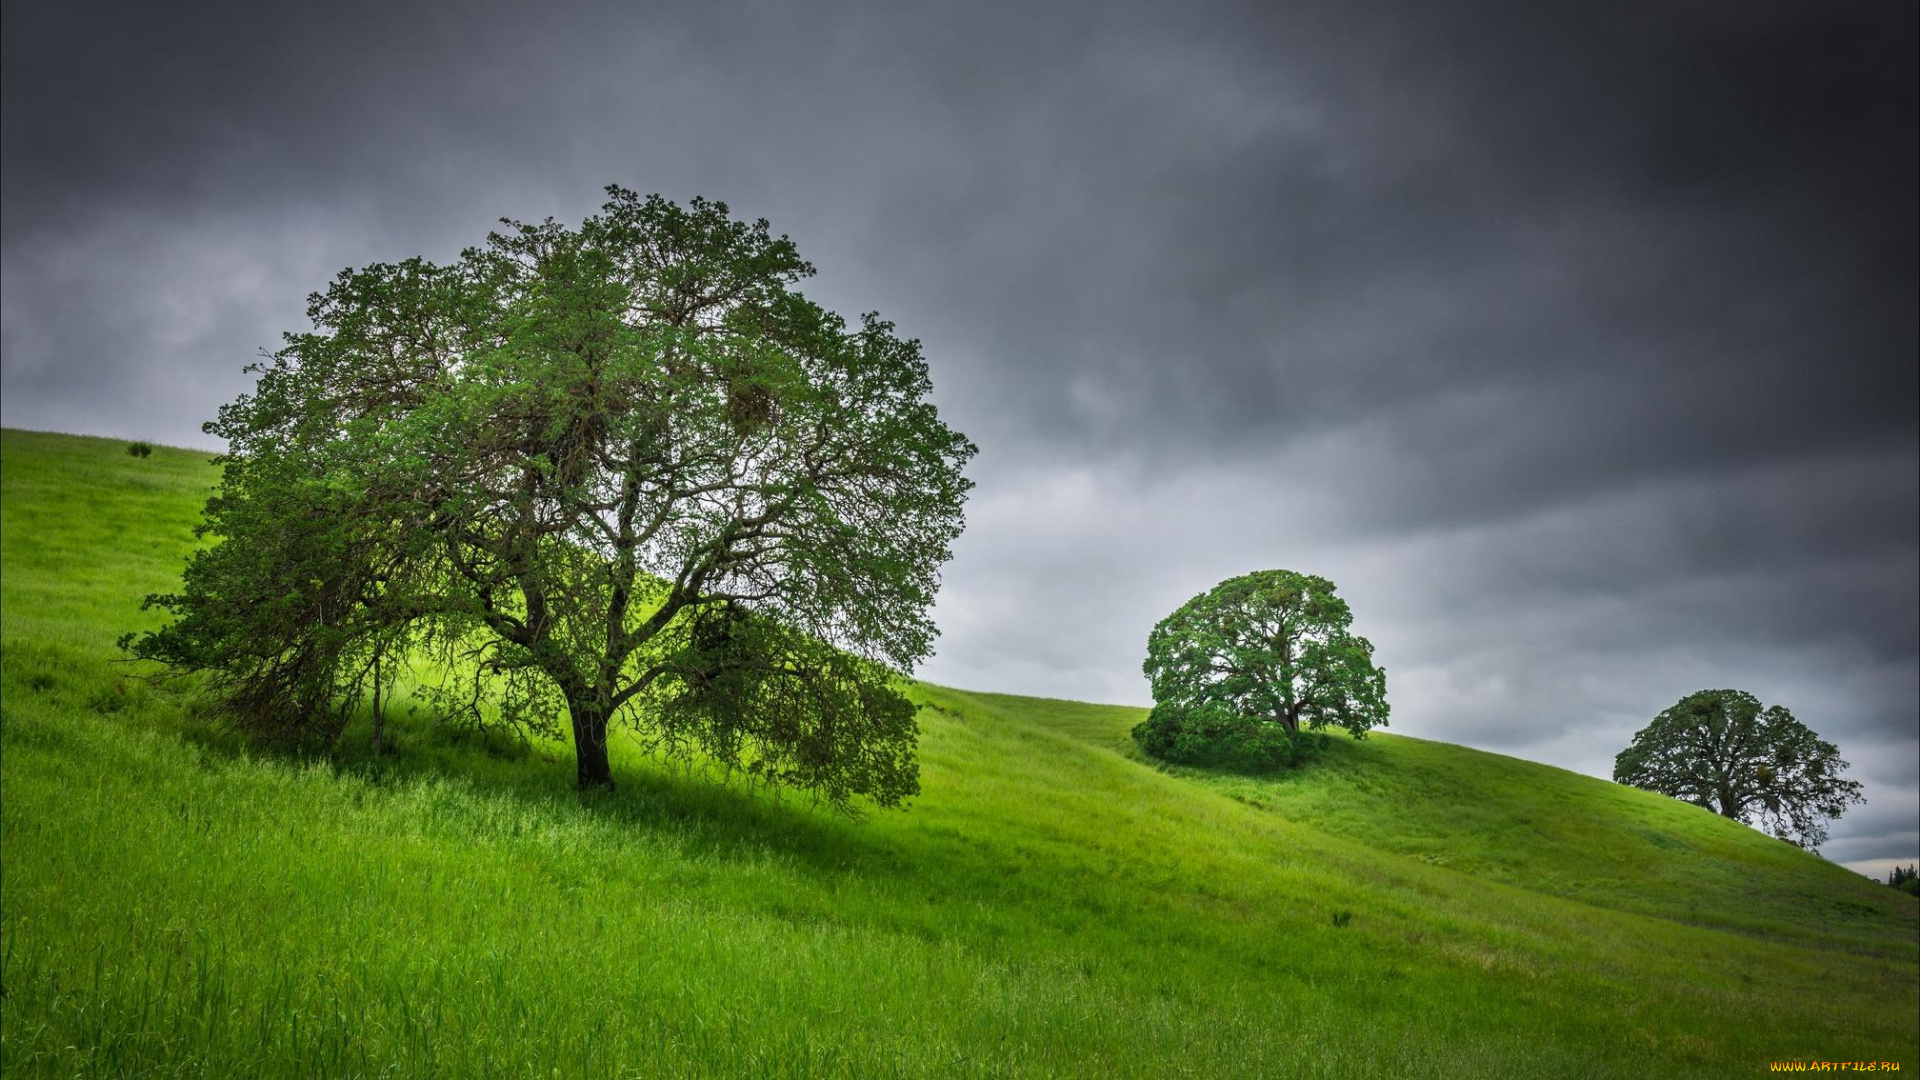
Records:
x=1720, y=749
x=1240, y=669
x=622, y=470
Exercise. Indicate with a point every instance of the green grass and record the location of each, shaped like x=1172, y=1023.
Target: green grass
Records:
x=1052, y=905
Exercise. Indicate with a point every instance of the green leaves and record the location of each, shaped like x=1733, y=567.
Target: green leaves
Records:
x=564, y=452
x=1240, y=669
x=1721, y=750
x=785, y=709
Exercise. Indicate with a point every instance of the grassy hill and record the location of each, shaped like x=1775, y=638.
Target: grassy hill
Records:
x=175, y=905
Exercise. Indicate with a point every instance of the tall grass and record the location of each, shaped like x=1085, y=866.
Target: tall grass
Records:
x=174, y=904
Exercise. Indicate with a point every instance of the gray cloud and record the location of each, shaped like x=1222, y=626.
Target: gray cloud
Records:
x=1574, y=341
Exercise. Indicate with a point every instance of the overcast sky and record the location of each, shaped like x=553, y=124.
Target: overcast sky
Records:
x=1575, y=342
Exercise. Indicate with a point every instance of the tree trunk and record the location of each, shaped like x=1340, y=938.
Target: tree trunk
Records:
x=378, y=724
x=590, y=744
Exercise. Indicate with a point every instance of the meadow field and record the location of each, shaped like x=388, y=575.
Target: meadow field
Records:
x=176, y=904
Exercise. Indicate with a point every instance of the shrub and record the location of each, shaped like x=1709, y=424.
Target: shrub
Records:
x=1210, y=734
x=139, y=449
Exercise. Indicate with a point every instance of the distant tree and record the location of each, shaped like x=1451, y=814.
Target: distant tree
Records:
x=139, y=449
x=1721, y=750
x=1906, y=879
x=623, y=470
x=1240, y=670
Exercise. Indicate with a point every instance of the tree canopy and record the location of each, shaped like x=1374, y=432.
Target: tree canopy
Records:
x=1905, y=878
x=1238, y=671
x=1720, y=749
x=623, y=470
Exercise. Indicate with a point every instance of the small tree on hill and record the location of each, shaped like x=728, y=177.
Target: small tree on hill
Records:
x=622, y=471
x=1240, y=670
x=1721, y=750
x=1906, y=879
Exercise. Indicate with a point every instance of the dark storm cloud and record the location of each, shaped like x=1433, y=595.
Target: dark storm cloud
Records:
x=1574, y=341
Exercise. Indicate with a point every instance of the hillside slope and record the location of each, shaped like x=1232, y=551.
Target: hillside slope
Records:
x=1543, y=829
x=1050, y=906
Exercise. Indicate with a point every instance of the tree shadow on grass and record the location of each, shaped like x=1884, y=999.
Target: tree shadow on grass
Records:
x=704, y=812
